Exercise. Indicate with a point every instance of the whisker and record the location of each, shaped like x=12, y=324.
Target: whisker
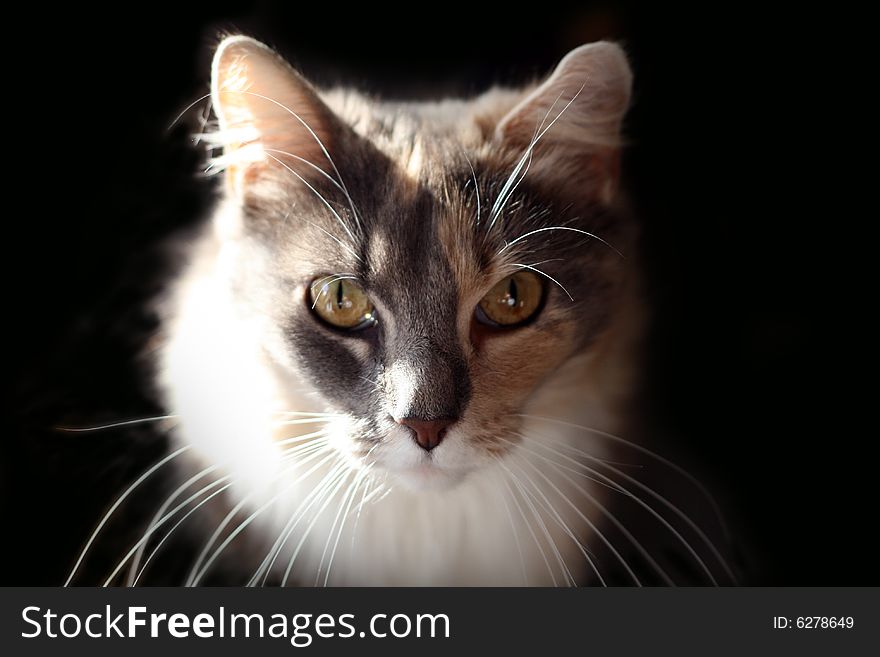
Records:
x=526, y=521
x=501, y=201
x=317, y=140
x=619, y=525
x=476, y=185
x=535, y=269
x=357, y=517
x=244, y=524
x=320, y=282
x=156, y=522
x=120, y=500
x=302, y=413
x=155, y=527
x=522, y=562
x=644, y=450
x=611, y=486
x=135, y=563
x=589, y=522
x=198, y=570
x=539, y=519
x=315, y=494
x=565, y=528
x=307, y=420
x=337, y=240
x=498, y=206
x=366, y=496
x=506, y=194
x=347, y=499
x=566, y=573
x=187, y=109
x=574, y=230
x=323, y=200
x=327, y=499
x=114, y=425
x=660, y=518
x=307, y=163
x=298, y=439
x=168, y=534
x=326, y=286
x=562, y=111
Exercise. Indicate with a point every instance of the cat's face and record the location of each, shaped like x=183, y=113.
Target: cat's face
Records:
x=422, y=270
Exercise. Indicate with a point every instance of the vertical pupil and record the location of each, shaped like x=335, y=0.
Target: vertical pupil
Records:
x=339, y=294
x=511, y=293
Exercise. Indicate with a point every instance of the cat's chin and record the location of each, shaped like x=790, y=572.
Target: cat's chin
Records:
x=428, y=477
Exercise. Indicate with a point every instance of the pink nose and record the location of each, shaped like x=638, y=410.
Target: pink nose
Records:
x=427, y=433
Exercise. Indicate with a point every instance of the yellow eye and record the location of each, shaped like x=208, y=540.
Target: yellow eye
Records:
x=512, y=301
x=341, y=303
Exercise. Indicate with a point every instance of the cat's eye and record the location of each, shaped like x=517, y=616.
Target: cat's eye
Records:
x=512, y=301
x=341, y=303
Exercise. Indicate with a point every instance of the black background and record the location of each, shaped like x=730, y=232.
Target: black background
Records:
x=743, y=245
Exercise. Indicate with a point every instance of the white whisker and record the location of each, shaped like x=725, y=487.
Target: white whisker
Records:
x=656, y=515
x=307, y=163
x=135, y=563
x=506, y=193
x=304, y=414
x=526, y=521
x=187, y=109
x=317, y=140
x=244, y=524
x=326, y=286
x=155, y=527
x=313, y=496
x=574, y=230
x=476, y=186
x=198, y=570
x=644, y=450
x=347, y=499
x=357, y=517
x=324, y=201
x=328, y=498
x=522, y=562
x=114, y=425
x=168, y=534
x=498, y=206
x=541, y=498
x=535, y=269
x=120, y=500
x=592, y=499
x=304, y=437
x=527, y=498
x=307, y=420
x=589, y=522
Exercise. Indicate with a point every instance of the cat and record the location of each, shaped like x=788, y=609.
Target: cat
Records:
x=398, y=349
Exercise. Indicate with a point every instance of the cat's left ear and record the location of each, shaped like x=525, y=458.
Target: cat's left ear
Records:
x=572, y=121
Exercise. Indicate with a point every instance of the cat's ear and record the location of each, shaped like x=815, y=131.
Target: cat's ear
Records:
x=267, y=112
x=572, y=121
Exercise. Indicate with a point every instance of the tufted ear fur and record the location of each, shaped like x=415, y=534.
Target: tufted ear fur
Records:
x=267, y=112
x=575, y=116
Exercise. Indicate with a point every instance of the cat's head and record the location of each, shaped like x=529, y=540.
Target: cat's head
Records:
x=423, y=268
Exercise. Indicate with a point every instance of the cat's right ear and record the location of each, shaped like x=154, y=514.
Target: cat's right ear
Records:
x=269, y=115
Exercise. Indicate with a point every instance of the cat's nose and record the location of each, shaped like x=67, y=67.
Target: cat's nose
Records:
x=428, y=433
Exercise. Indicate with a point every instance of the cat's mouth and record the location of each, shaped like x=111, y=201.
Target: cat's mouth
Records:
x=427, y=476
